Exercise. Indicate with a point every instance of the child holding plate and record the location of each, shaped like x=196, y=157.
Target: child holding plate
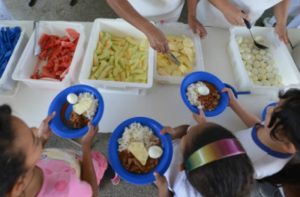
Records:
x=207, y=161
x=28, y=170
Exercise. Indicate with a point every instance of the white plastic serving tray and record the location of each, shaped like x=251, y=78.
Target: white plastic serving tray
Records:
x=119, y=28
x=28, y=61
x=6, y=81
x=179, y=29
x=283, y=61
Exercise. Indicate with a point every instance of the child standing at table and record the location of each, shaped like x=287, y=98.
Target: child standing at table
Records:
x=27, y=170
x=207, y=161
x=270, y=145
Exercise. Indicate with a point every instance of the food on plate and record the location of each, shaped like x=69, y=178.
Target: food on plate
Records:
x=8, y=41
x=207, y=102
x=120, y=59
x=259, y=63
x=136, y=149
x=58, y=53
x=182, y=47
x=155, y=152
x=72, y=98
x=84, y=109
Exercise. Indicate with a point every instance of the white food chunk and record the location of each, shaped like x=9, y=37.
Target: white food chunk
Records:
x=246, y=56
x=262, y=71
x=261, y=77
x=269, y=68
x=247, y=50
x=276, y=71
x=248, y=67
x=254, y=71
x=258, y=57
x=266, y=58
x=239, y=39
x=241, y=50
x=251, y=46
x=155, y=152
x=265, y=83
x=263, y=64
x=255, y=51
x=270, y=75
x=250, y=62
x=262, y=52
x=246, y=40
x=278, y=78
x=273, y=81
x=257, y=83
x=72, y=98
x=256, y=64
x=244, y=45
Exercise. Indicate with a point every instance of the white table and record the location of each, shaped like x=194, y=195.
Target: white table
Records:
x=162, y=103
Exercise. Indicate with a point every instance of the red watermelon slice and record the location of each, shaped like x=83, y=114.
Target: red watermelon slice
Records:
x=72, y=34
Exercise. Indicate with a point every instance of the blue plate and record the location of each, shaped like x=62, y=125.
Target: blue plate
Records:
x=265, y=110
x=207, y=77
x=164, y=163
x=56, y=124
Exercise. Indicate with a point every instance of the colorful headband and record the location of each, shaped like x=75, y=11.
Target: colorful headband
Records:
x=213, y=152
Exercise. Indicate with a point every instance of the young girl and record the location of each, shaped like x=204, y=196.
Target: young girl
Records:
x=27, y=170
x=207, y=161
x=271, y=144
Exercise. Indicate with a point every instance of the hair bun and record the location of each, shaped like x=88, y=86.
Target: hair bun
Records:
x=5, y=109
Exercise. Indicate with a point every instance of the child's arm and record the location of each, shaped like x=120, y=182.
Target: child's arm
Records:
x=175, y=133
x=247, y=117
x=45, y=133
x=87, y=169
x=162, y=185
x=291, y=191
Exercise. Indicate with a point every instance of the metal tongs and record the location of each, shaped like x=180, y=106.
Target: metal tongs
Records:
x=172, y=57
x=37, y=48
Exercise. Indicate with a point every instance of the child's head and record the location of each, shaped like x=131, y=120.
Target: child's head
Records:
x=283, y=120
x=228, y=177
x=20, y=150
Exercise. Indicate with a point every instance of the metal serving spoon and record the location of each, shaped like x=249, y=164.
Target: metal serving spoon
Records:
x=248, y=24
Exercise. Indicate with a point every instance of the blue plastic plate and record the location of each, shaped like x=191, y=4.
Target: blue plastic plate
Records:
x=161, y=168
x=265, y=110
x=204, y=76
x=56, y=124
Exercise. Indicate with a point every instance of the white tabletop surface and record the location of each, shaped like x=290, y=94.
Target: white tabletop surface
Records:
x=162, y=103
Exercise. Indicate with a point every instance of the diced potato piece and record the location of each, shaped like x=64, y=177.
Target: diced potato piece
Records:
x=137, y=71
x=101, y=34
x=176, y=73
x=95, y=60
x=143, y=45
x=170, y=38
x=104, y=55
x=173, y=46
x=129, y=79
x=140, y=77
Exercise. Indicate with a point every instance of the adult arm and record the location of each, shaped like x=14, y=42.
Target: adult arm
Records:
x=232, y=13
x=87, y=168
x=281, y=14
x=245, y=115
x=291, y=191
x=194, y=24
x=156, y=38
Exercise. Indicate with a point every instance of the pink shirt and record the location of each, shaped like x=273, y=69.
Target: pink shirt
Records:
x=62, y=171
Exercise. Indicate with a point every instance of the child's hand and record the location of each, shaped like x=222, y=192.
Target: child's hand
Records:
x=200, y=118
x=168, y=130
x=231, y=96
x=160, y=181
x=44, y=130
x=87, y=139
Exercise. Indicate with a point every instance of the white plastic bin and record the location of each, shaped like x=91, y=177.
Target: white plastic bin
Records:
x=119, y=28
x=281, y=55
x=6, y=81
x=179, y=29
x=28, y=61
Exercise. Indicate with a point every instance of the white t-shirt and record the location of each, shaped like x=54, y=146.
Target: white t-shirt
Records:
x=177, y=180
x=211, y=16
x=265, y=161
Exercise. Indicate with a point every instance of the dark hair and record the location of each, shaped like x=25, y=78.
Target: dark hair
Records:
x=288, y=175
x=228, y=177
x=12, y=161
x=285, y=119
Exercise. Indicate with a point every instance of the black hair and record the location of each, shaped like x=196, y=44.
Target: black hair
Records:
x=12, y=161
x=288, y=175
x=228, y=177
x=285, y=119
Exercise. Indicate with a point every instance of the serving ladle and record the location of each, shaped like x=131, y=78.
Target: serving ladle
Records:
x=248, y=24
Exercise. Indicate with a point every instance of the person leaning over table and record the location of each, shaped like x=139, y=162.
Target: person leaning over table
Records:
x=137, y=13
x=226, y=13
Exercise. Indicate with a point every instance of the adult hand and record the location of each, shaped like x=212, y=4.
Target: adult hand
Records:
x=160, y=181
x=201, y=118
x=282, y=33
x=158, y=40
x=231, y=96
x=197, y=27
x=234, y=15
x=87, y=139
x=44, y=131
